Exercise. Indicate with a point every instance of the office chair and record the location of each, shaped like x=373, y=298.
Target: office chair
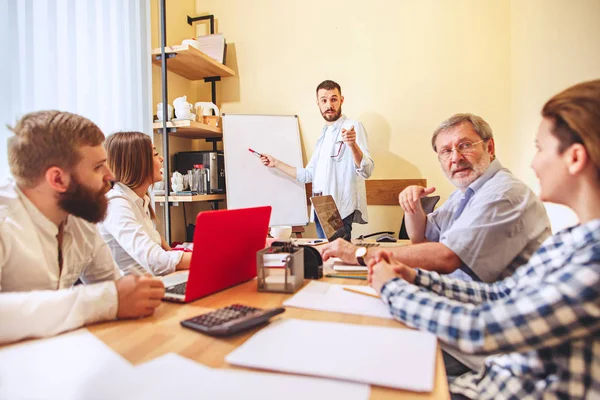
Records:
x=428, y=204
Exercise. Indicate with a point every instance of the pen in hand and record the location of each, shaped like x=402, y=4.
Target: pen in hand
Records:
x=265, y=159
x=256, y=153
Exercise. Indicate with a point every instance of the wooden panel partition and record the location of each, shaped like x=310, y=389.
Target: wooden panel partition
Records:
x=381, y=192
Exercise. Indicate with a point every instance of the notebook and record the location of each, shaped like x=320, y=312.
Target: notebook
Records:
x=224, y=255
x=354, y=269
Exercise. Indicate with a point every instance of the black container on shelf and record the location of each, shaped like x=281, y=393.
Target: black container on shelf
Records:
x=213, y=161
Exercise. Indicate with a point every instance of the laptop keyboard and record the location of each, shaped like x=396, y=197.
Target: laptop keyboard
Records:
x=177, y=289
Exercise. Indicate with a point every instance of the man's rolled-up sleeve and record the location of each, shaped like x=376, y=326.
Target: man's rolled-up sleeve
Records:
x=488, y=238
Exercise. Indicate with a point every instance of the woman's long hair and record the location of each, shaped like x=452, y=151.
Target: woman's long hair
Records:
x=131, y=160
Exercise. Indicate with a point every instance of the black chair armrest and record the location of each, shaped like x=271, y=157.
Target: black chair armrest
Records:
x=361, y=237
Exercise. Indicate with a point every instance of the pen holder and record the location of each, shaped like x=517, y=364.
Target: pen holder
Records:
x=280, y=268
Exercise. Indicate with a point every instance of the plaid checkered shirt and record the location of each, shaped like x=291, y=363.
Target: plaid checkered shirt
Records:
x=540, y=326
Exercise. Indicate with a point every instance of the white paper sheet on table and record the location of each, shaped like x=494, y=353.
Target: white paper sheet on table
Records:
x=392, y=357
x=330, y=297
x=174, y=376
x=69, y=366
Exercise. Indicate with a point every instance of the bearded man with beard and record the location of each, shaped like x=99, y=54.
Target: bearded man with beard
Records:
x=48, y=236
x=488, y=227
x=340, y=163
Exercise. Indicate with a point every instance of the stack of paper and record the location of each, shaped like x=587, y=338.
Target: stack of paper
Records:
x=173, y=376
x=77, y=365
x=350, y=268
x=213, y=46
x=71, y=366
x=392, y=357
x=328, y=297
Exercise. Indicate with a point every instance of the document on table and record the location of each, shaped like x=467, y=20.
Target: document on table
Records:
x=69, y=366
x=77, y=365
x=330, y=297
x=174, y=376
x=393, y=357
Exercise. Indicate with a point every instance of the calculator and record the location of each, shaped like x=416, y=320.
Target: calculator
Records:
x=230, y=320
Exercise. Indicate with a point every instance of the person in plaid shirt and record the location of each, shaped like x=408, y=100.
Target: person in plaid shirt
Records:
x=540, y=326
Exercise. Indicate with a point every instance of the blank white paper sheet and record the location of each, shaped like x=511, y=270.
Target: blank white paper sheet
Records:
x=75, y=365
x=391, y=357
x=323, y=296
x=173, y=376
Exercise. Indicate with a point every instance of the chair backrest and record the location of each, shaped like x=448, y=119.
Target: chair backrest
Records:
x=428, y=204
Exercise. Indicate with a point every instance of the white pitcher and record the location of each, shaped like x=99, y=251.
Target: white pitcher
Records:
x=206, y=108
x=183, y=109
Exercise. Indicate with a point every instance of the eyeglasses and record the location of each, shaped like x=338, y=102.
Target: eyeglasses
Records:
x=462, y=148
x=339, y=148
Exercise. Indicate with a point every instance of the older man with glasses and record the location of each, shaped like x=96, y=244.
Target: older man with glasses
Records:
x=487, y=228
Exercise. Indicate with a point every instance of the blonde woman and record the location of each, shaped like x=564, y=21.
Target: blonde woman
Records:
x=129, y=228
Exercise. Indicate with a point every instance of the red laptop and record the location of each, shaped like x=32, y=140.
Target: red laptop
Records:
x=224, y=255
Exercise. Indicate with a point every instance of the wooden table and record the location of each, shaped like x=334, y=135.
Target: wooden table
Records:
x=145, y=339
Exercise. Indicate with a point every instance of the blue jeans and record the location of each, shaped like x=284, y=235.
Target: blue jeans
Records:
x=347, y=227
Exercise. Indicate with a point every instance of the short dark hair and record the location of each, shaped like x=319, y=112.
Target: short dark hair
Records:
x=329, y=85
x=479, y=125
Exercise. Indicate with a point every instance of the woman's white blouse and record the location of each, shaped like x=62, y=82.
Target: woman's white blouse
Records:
x=131, y=234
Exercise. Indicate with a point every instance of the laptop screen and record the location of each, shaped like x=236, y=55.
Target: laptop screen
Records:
x=329, y=216
x=225, y=247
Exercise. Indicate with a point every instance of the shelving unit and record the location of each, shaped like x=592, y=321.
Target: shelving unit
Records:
x=192, y=64
x=191, y=129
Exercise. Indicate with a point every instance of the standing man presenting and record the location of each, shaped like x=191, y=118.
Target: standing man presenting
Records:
x=340, y=163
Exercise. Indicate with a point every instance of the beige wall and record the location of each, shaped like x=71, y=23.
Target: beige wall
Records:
x=404, y=66
x=554, y=44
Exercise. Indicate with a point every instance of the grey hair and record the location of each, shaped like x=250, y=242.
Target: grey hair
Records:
x=479, y=125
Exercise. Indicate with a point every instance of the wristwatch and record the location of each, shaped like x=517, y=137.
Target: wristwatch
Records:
x=360, y=254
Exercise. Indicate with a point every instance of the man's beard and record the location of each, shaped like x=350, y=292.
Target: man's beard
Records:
x=478, y=170
x=84, y=202
x=332, y=117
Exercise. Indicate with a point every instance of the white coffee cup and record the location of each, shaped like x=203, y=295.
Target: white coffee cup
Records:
x=281, y=232
x=159, y=112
